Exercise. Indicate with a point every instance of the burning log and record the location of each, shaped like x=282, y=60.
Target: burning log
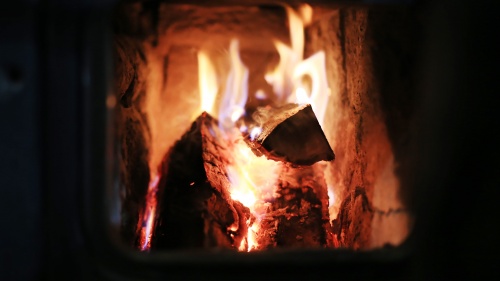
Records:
x=195, y=207
x=298, y=217
x=291, y=134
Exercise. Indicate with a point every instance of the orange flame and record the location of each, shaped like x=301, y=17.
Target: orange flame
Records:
x=148, y=216
x=207, y=79
x=252, y=178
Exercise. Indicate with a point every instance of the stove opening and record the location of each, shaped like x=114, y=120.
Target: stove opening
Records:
x=253, y=127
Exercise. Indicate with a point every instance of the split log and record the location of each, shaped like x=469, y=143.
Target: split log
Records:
x=195, y=208
x=298, y=217
x=291, y=134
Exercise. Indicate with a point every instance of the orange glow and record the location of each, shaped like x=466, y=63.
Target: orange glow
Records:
x=147, y=222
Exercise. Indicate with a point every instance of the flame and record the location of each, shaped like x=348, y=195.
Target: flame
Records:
x=236, y=92
x=306, y=14
x=287, y=76
x=314, y=67
x=296, y=27
x=281, y=77
x=252, y=180
x=301, y=96
x=147, y=222
x=255, y=132
x=207, y=82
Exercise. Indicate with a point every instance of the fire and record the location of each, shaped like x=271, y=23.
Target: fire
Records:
x=236, y=92
x=207, y=82
x=301, y=96
x=147, y=222
x=288, y=75
x=314, y=67
x=253, y=178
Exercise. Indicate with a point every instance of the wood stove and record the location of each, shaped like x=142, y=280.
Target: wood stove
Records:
x=127, y=86
x=290, y=83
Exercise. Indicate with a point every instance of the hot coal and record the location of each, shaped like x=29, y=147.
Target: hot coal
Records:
x=291, y=134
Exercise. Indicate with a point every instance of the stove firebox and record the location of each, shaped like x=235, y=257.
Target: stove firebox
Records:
x=216, y=148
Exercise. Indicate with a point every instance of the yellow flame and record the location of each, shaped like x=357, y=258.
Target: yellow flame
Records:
x=252, y=239
x=252, y=183
x=207, y=78
x=306, y=14
x=301, y=96
x=287, y=76
x=296, y=32
x=253, y=178
x=314, y=67
x=281, y=77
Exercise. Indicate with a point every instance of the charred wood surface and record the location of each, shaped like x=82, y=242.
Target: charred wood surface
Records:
x=292, y=134
x=195, y=209
x=298, y=217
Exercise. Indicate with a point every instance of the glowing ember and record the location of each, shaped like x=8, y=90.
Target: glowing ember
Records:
x=147, y=222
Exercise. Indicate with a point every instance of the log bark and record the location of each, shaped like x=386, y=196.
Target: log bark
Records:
x=195, y=209
x=291, y=134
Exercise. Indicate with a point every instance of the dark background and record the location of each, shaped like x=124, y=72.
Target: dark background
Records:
x=47, y=85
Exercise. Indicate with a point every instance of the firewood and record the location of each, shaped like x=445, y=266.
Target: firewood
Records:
x=195, y=209
x=292, y=134
x=298, y=217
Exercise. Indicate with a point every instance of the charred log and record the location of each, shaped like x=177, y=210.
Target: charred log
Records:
x=292, y=134
x=298, y=217
x=195, y=209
